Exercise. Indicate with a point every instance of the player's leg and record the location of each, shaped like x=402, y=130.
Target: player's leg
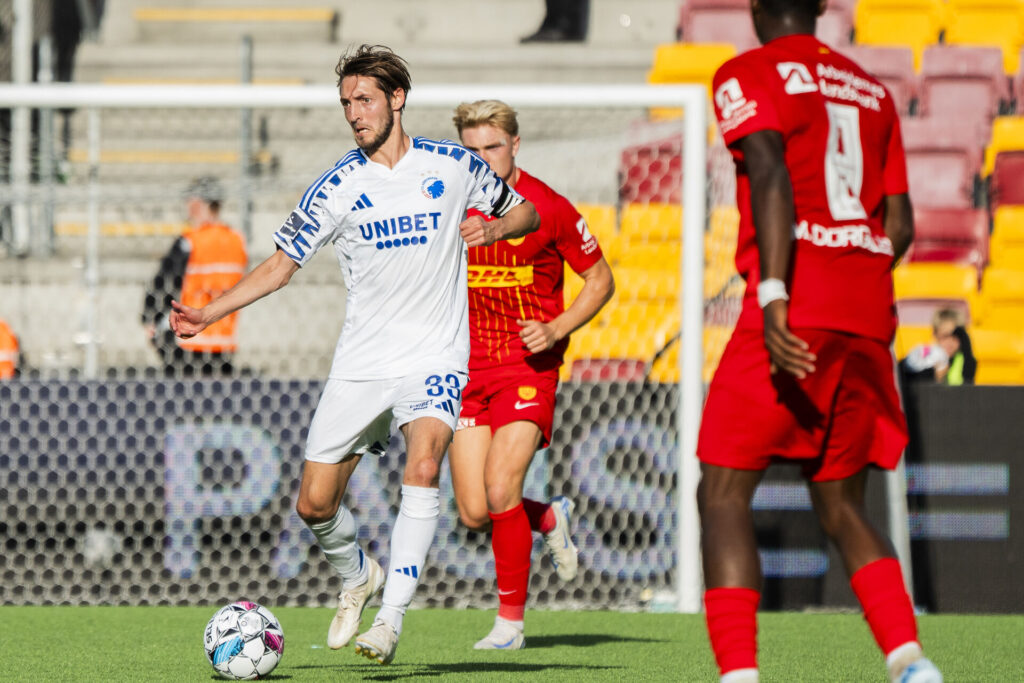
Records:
x=347, y=424
x=732, y=568
x=466, y=459
x=867, y=428
x=427, y=439
x=875, y=575
x=508, y=459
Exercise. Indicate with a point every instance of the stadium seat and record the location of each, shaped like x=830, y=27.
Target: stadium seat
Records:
x=950, y=235
x=688, y=62
x=652, y=171
x=911, y=23
x=909, y=336
x=921, y=287
x=893, y=66
x=1006, y=184
x=1001, y=300
x=651, y=223
x=1007, y=136
x=987, y=22
x=1000, y=356
x=943, y=158
x=717, y=21
x=835, y=26
x=963, y=83
x=640, y=284
x=1007, y=242
x=651, y=255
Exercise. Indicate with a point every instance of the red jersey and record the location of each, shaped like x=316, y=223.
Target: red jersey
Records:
x=844, y=155
x=521, y=279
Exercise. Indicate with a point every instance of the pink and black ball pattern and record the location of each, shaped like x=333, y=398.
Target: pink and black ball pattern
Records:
x=243, y=641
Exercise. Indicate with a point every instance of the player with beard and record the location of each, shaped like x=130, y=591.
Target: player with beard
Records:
x=395, y=211
x=807, y=376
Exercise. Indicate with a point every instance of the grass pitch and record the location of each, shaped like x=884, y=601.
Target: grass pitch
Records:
x=165, y=644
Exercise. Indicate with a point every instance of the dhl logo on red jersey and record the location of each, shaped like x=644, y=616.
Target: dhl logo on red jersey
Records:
x=500, y=276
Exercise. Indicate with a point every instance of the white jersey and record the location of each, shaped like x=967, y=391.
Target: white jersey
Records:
x=396, y=235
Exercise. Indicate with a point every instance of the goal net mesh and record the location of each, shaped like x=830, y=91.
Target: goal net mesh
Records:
x=125, y=486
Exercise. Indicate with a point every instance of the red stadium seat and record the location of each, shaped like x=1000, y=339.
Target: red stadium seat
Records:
x=893, y=66
x=1006, y=186
x=717, y=21
x=919, y=312
x=963, y=83
x=943, y=161
x=835, y=26
x=951, y=235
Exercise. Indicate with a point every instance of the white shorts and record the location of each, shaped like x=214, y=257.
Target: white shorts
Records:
x=357, y=416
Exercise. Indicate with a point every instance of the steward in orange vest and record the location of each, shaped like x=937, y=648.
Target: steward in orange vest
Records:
x=208, y=259
x=8, y=352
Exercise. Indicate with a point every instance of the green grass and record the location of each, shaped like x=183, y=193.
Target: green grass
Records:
x=165, y=644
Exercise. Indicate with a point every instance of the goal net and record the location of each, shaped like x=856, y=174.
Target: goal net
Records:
x=123, y=485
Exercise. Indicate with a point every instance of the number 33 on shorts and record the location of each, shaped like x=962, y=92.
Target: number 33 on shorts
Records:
x=444, y=394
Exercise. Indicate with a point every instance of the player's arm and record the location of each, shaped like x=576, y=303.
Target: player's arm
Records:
x=521, y=220
x=771, y=200
x=899, y=224
x=269, y=276
x=598, y=287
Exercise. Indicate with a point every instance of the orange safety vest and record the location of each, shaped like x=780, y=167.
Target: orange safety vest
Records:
x=8, y=351
x=216, y=262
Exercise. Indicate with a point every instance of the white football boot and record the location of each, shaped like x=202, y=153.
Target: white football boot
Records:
x=504, y=636
x=559, y=540
x=907, y=664
x=350, y=606
x=379, y=643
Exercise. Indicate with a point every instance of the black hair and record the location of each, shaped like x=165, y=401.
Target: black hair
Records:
x=806, y=8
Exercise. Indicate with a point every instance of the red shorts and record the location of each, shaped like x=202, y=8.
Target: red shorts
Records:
x=507, y=393
x=839, y=419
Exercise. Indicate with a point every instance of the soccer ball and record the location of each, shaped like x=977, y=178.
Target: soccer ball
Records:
x=243, y=641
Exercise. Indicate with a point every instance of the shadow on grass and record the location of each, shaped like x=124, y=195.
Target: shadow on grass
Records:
x=583, y=640
x=271, y=677
x=392, y=672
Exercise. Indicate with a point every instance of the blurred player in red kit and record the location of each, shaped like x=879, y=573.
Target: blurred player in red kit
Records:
x=519, y=330
x=807, y=376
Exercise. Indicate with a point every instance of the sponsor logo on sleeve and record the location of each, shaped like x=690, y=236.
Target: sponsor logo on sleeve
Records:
x=735, y=108
x=589, y=243
x=797, y=77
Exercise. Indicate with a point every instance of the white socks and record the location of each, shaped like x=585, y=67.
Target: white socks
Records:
x=337, y=538
x=410, y=542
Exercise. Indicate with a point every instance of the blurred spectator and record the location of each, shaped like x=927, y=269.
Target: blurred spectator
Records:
x=8, y=352
x=948, y=359
x=564, y=21
x=206, y=260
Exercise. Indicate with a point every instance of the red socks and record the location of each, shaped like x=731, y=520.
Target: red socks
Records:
x=512, y=541
x=542, y=517
x=887, y=608
x=732, y=626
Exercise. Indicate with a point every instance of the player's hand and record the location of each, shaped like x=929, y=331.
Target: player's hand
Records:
x=186, y=321
x=788, y=352
x=478, y=232
x=536, y=335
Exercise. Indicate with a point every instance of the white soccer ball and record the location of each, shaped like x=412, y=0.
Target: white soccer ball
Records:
x=243, y=641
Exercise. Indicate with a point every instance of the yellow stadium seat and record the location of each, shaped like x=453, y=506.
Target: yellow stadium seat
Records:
x=641, y=284
x=651, y=223
x=689, y=62
x=666, y=368
x=987, y=22
x=1006, y=247
x=1007, y=135
x=912, y=23
x=1001, y=304
x=654, y=255
x=936, y=281
x=909, y=336
x=1000, y=355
